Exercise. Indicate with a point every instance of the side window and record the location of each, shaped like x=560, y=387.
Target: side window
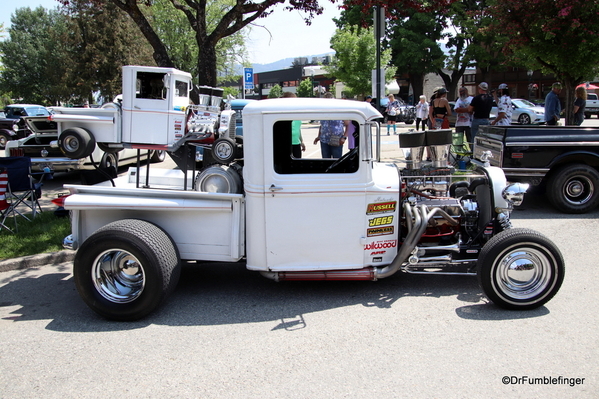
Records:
x=15, y=112
x=151, y=85
x=181, y=89
x=289, y=158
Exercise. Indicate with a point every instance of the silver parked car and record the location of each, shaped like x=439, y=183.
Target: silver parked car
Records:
x=525, y=112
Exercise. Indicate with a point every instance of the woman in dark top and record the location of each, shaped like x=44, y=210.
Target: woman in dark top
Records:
x=579, y=105
x=440, y=110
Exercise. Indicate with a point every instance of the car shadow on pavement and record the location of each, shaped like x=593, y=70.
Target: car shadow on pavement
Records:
x=217, y=294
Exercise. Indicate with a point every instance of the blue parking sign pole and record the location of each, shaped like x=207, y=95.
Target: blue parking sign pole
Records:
x=248, y=78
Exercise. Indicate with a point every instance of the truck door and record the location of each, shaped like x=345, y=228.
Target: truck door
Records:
x=314, y=207
x=150, y=110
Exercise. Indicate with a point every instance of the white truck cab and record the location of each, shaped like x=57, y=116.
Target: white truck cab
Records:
x=337, y=207
x=151, y=115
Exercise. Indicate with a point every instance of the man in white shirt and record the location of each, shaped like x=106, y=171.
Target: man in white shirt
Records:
x=463, y=121
x=504, y=107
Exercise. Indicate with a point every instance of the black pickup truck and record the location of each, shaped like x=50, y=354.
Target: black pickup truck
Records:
x=562, y=159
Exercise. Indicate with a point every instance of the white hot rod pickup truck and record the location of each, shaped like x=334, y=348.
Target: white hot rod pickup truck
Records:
x=351, y=218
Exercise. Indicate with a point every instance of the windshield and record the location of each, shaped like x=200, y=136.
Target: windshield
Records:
x=523, y=103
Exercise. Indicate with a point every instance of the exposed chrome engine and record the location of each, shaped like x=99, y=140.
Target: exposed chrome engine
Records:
x=441, y=212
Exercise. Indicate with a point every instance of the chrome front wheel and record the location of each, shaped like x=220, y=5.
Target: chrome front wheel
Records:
x=520, y=269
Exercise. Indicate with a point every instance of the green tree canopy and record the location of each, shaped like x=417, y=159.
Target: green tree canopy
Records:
x=98, y=43
x=233, y=16
x=27, y=56
x=414, y=44
x=560, y=37
x=67, y=55
x=179, y=38
x=305, y=88
x=275, y=92
x=355, y=59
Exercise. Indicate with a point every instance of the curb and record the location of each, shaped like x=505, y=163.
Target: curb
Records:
x=24, y=262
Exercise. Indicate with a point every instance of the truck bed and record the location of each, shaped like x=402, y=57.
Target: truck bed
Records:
x=204, y=226
x=517, y=147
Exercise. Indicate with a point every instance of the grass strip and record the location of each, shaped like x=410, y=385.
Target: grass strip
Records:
x=42, y=234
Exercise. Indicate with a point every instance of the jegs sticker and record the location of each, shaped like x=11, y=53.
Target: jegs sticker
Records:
x=380, y=221
x=381, y=207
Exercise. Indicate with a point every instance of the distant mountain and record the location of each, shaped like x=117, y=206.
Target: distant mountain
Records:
x=273, y=66
x=281, y=64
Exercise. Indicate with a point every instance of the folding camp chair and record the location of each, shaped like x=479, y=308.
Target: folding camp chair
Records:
x=6, y=208
x=22, y=189
x=460, y=150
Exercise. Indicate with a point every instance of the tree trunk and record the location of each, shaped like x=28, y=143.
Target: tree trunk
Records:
x=160, y=53
x=452, y=82
x=207, y=64
x=417, y=81
x=569, y=87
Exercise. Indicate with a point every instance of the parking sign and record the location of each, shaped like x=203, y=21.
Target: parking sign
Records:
x=248, y=78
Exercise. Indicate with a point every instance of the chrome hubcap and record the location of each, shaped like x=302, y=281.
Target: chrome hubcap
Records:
x=71, y=144
x=579, y=190
x=523, y=273
x=118, y=276
x=223, y=150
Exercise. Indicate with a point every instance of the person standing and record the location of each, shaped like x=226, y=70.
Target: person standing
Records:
x=480, y=107
x=579, y=105
x=504, y=107
x=463, y=122
x=392, y=112
x=297, y=141
x=440, y=110
x=332, y=134
x=421, y=112
x=553, y=107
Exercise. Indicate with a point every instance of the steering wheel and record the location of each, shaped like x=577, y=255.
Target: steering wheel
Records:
x=341, y=160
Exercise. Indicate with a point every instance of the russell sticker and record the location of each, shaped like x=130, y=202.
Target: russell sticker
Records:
x=381, y=207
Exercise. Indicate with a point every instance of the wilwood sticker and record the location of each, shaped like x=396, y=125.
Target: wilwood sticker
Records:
x=380, y=245
x=381, y=207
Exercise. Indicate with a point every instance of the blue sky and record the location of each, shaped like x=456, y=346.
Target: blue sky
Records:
x=289, y=36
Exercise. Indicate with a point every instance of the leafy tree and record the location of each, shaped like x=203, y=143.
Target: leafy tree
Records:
x=179, y=38
x=415, y=49
x=560, y=37
x=305, y=88
x=413, y=32
x=364, y=8
x=230, y=91
x=355, y=58
x=99, y=42
x=233, y=17
x=275, y=92
x=27, y=56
